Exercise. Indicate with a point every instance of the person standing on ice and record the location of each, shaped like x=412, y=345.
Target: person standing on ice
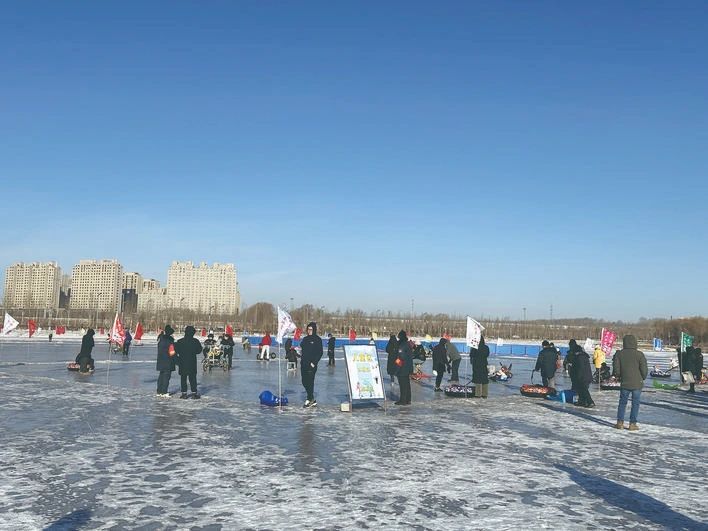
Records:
x=439, y=362
x=583, y=378
x=546, y=363
x=187, y=350
x=126, y=342
x=266, y=342
x=392, y=351
x=404, y=362
x=331, y=343
x=480, y=373
x=165, y=361
x=311, y=347
x=454, y=356
x=630, y=368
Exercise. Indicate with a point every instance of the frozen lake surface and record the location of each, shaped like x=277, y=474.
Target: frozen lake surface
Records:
x=102, y=452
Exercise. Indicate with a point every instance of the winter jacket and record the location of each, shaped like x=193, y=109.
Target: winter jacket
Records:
x=392, y=351
x=406, y=354
x=227, y=342
x=165, y=353
x=87, y=344
x=266, y=340
x=546, y=362
x=629, y=365
x=452, y=353
x=187, y=350
x=581, y=368
x=440, y=354
x=598, y=357
x=311, y=347
x=128, y=339
x=331, y=342
x=479, y=356
x=697, y=363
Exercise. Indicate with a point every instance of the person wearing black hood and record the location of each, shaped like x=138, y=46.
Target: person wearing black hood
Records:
x=227, y=342
x=439, y=362
x=546, y=363
x=165, y=361
x=404, y=362
x=573, y=348
x=187, y=350
x=84, y=358
x=331, y=342
x=311, y=347
x=480, y=373
x=392, y=351
x=581, y=375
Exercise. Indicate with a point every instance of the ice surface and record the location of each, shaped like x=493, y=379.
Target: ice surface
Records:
x=103, y=452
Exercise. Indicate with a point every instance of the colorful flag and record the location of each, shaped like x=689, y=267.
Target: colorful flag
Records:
x=607, y=340
x=686, y=341
x=229, y=330
x=117, y=332
x=474, y=333
x=139, y=332
x=352, y=334
x=285, y=324
x=9, y=325
x=31, y=327
x=298, y=334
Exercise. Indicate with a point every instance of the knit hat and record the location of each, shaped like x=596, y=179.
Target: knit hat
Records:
x=169, y=330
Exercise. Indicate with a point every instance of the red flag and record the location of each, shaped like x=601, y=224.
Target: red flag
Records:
x=298, y=334
x=607, y=340
x=139, y=332
x=203, y=332
x=352, y=334
x=229, y=330
x=32, y=327
x=117, y=332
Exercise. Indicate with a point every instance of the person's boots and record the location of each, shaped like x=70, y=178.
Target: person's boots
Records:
x=619, y=425
x=633, y=426
x=183, y=395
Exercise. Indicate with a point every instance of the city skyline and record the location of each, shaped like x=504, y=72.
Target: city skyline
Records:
x=475, y=158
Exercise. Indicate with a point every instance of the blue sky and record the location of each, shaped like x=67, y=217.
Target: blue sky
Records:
x=476, y=157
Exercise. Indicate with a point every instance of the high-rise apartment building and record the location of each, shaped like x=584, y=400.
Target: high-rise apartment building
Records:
x=96, y=285
x=133, y=281
x=32, y=286
x=152, y=300
x=203, y=288
x=150, y=284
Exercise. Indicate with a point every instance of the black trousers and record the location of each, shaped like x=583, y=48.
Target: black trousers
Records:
x=126, y=349
x=440, y=369
x=192, y=382
x=584, y=397
x=330, y=355
x=455, y=370
x=163, y=382
x=230, y=355
x=85, y=364
x=404, y=383
x=308, y=381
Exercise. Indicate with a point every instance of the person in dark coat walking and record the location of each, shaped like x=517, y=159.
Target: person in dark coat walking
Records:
x=83, y=358
x=227, y=343
x=582, y=372
x=331, y=342
x=439, y=362
x=311, y=346
x=187, y=350
x=546, y=363
x=392, y=351
x=694, y=365
x=573, y=349
x=165, y=361
x=405, y=368
x=629, y=366
x=126, y=342
x=480, y=374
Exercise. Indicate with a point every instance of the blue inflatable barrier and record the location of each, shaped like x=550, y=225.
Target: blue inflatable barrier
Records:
x=269, y=399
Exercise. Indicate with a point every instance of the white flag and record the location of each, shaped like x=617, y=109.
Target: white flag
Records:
x=500, y=342
x=9, y=325
x=474, y=332
x=285, y=325
x=588, y=346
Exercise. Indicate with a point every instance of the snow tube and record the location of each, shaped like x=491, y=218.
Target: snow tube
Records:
x=660, y=374
x=460, y=391
x=537, y=390
x=610, y=386
x=269, y=399
x=73, y=366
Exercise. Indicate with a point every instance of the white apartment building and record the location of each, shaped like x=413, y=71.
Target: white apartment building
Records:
x=150, y=283
x=96, y=285
x=152, y=300
x=33, y=286
x=203, y=288
x=134, y=281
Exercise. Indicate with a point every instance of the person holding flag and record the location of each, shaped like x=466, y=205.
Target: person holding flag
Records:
x=311, y=346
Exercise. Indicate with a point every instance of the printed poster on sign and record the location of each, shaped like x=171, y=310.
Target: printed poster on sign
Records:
x=363, y=372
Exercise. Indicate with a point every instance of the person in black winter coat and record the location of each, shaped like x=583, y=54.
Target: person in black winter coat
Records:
x=291, y=354
x=583, y=378
x=83, y=358
x=165, y=360
x=405, y=368
x=227, y=343
x=331, y=343
x=480, y=374
x=546, y=363
x=573, y=349
x=187, y=350
x=311, y=346
x=392, y=351
x=439, y=362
